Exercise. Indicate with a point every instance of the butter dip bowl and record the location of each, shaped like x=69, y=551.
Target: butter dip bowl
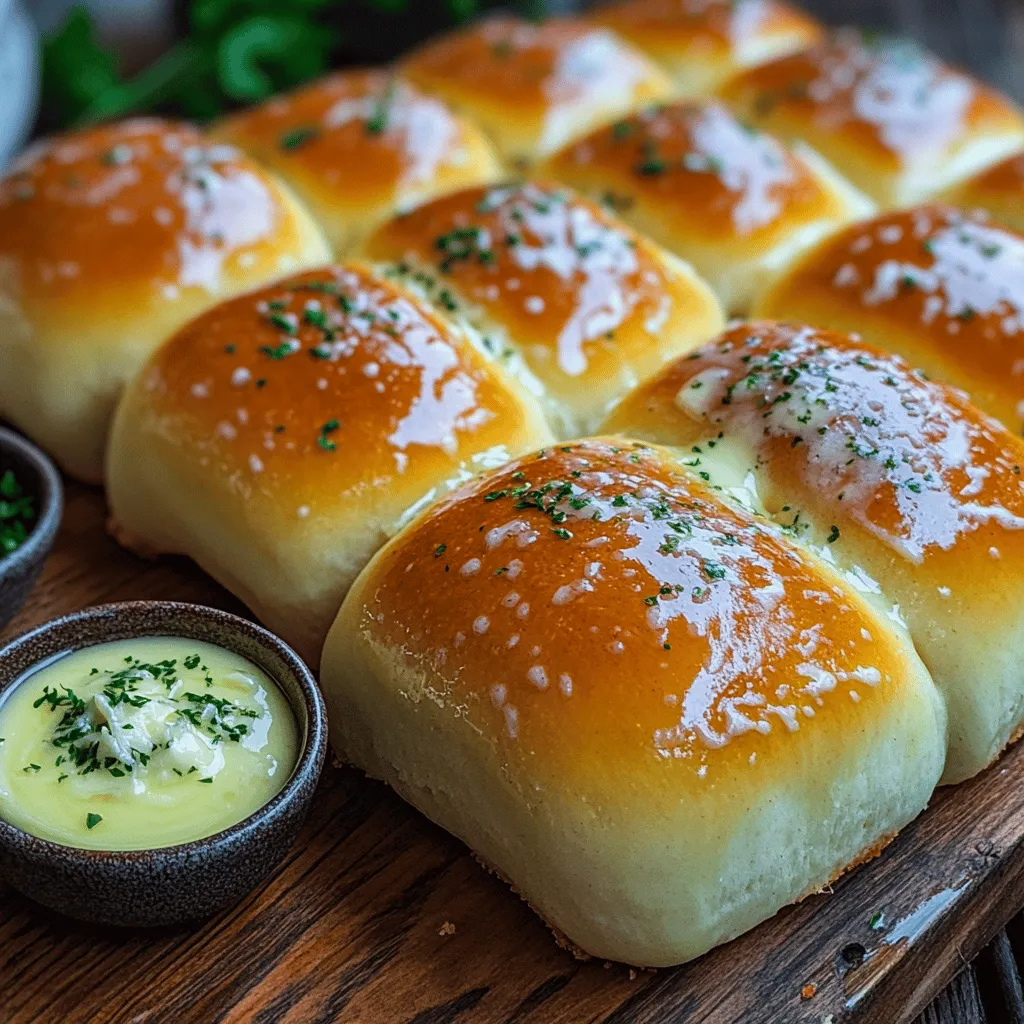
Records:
x=20, y=569
x=173, y=884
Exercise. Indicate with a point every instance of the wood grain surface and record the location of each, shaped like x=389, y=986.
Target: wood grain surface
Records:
x=378, y=916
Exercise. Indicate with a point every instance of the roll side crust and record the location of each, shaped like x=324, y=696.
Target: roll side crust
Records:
x=563, y=293
x=360, y=146
x=732, y=201
x=110, y=239
x=999, y=190
x=282, y=437
x=895, y=120
x=941, y=287
x=898, y=480
x=703, y=43
x=604, y=679
x=535, y=87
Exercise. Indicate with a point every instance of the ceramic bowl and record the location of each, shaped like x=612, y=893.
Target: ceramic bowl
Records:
x=37, y=474
x=149, y=888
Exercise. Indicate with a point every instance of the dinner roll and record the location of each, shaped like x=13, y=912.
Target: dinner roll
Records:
x=999, y=190
x=701, y=43
x=571, y=299
x=943, y=288
x=110, y=239
x=895, y=120
x=534, y=87
x=283, y=436
x=359, y=146
x=858, y=457
x=652, y=714
x=730, y=200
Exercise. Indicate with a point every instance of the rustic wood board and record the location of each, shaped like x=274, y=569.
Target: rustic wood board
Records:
x=353, y=926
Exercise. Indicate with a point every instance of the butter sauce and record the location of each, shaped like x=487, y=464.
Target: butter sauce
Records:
x=142, y=744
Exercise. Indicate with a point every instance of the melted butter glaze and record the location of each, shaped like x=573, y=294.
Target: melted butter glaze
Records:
x=324, y=385
x=140, y=204
x=707, y=173
x=590, y=602
x=888, y=97
x=944, y=287
x=570, y=283
x=561, y=74
x=362, y=136
x=850, y=432
x=704, y=26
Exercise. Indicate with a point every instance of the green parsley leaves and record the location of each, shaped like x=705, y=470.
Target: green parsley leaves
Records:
x=323, y=440
x=16, y=513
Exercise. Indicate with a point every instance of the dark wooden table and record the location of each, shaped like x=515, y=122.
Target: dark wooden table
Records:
x=986, y=36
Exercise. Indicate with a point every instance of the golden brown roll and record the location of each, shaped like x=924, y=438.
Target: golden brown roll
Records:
x=110, y=239
x=897, y=122
x=999, y=190
x=943, y=288
x=283, y=436
x=702, y=43
x=900, y=481
x=534, y=87
x=571, y=299
x=732, y=201
x=653, y=714
x=359, y=146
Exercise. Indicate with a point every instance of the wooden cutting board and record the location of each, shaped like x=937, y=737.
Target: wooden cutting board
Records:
x=378, y=916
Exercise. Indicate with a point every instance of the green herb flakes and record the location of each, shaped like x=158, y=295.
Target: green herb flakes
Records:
x=16, y=513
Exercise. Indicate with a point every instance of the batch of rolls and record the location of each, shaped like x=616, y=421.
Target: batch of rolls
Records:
x=672, y=620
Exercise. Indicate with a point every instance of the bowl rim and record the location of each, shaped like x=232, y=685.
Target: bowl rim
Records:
x=51, y=503
x=307, y=768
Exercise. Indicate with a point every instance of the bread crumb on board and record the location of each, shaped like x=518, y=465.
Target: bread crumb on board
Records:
x=808, y=991
x=447, y=929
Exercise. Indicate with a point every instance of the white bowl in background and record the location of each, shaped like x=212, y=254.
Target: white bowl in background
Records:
x=19, y=77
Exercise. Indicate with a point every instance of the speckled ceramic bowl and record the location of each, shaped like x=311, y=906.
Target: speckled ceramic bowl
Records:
x=143, y=888
x=37, y=474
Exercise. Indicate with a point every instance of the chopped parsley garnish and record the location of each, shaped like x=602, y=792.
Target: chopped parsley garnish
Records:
x=92, y=820
x=89, y=737
x=16, y=512
x=463, y=244
x=276, y=352
x=298, y=137
x=323, y=440
x=713, y=570
x=649, y=168
x=377, y=122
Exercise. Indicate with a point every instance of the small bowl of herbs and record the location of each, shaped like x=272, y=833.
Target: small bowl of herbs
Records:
x=31, y=503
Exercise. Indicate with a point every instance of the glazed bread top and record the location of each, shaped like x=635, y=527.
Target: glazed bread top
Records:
x=709, y=188
x=998, y=189
x=856, y=440
x=358, y=146
x=883, y=472
x=327, y=384
x=894, y=119
x=943, y=288
x=701, y=43
x=131, y=216
x=594, y=604
x=534, y=87
x=545, y=276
